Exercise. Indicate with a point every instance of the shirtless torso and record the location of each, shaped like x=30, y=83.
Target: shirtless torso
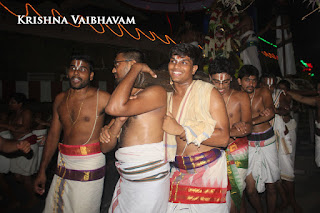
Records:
x=77, y=115
x=139, y=112
x=146, y=127
x=79, y=112
x=261, y=100
x=239, y=113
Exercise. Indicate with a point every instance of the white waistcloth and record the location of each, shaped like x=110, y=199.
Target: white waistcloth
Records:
x=23, y=166
x=286, y=161
x=76, y=196
x=41, y=139
x=144, y=184
x=250, y=54
x=4, y=161
x=264, y=164
x=199, y=208
x=289, y=52
x=317, y=146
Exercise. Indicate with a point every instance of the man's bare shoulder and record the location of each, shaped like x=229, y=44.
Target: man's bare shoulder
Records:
x=26, y=112
x=240, y=95
x=157, y=90
x=215, y=92
x=60, y=97
x=262, y=91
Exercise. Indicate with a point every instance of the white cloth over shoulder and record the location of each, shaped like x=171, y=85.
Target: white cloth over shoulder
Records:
x=144, y=183
x=194, y=115
x=4, y=161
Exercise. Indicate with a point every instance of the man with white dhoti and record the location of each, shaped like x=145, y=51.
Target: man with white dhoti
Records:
x=285, y=130
x=20, y=123
x=249, y=42
x=238, y=107
x=197, y=131
x=263, y=171
x=143, y=186
x=77, y=185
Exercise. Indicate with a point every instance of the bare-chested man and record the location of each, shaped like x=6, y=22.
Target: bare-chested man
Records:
x=249, y=41
x=197, y=126
x=312, y=101
x=239, y=113
x=78, y=183
x=20, y=123
x=144, y=173
x=263, y=169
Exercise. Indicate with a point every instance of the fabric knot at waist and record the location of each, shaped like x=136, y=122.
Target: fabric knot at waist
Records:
x=262, y=139
x=80, y=175
x=79, y=150
x=198, y=160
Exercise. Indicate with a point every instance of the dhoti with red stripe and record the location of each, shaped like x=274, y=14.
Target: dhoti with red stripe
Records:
x=199, y=183
x=77, y=185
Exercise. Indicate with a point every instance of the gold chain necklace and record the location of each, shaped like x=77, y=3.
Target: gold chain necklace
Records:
x=229, y=98
x=251, y=99
x=73, y=122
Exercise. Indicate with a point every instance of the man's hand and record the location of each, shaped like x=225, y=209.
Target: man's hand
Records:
x=24, y=146
x=265, y=112
x=105, y=133
x=144, y=68
x=240, y=126
x=171, y=126
x=40, y=183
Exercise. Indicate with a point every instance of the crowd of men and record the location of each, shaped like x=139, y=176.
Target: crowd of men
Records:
x=203, y=147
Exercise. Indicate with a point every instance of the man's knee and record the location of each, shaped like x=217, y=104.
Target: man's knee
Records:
x=271, y=187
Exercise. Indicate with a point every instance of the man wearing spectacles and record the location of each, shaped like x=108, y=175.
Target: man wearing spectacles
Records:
x=144, y=172
x=239, y=114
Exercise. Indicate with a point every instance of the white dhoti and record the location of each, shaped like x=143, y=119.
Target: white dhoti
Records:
x=317, y=146
x=289, y=65
x=143, y=186
x=77, y=185
x=41, y=139
x=4, y=161
x=199, y=183
x=286, y=160
x=23, y=166
x=250, y=54
x=263, y=158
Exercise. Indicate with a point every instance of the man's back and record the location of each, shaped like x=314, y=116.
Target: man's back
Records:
x=145, y=128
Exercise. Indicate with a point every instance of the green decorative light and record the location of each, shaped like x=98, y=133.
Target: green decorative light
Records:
x=304, y=63
x=267, y=42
